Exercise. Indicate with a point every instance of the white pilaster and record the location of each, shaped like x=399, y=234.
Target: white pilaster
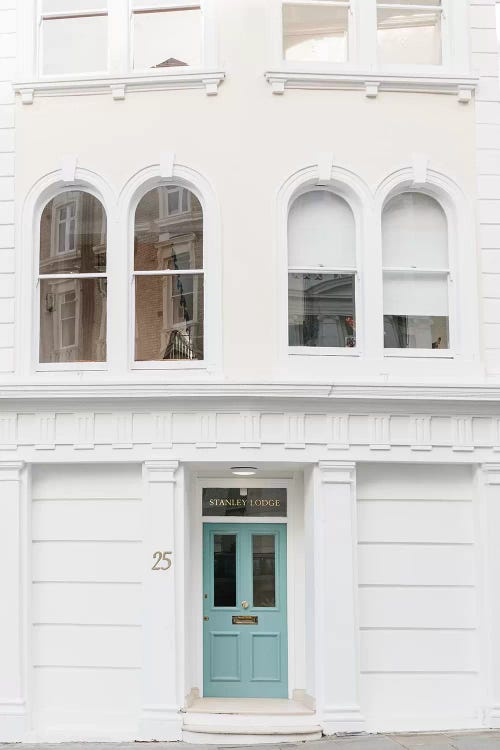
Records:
x=161, y=718
x=335, y=539
x=488, y=488
x=13, y=493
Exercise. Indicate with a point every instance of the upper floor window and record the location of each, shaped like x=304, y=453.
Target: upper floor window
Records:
x=409, y=32
x=72, y=279
x=316, y=31
x=168, y=276
x=416, y=273
x=321, y=271
x=166, y=34
x=74, y=36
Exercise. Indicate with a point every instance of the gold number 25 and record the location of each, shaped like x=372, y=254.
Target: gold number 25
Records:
x=161, y=557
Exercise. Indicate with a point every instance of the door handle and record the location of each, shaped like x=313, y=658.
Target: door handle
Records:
x=244, y=604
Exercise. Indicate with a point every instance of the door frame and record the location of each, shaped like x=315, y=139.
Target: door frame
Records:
x=295, y=570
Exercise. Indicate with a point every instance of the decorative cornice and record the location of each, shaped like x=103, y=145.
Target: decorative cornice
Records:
x=461, y=86
x=111, y=391
x=119, y=86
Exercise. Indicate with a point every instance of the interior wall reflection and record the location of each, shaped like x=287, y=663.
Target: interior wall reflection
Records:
x=168, y=276
x=72, y=279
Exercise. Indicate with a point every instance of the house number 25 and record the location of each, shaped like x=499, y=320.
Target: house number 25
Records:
x=161, y=557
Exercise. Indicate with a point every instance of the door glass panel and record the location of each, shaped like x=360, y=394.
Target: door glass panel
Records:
x=225, y=570
x=264, y=570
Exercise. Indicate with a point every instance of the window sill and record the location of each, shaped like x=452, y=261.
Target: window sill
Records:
x=174, y=364
x=119, y=86
x=72, y=367
x=461, y=86
x=323, y=351
x=420, y=353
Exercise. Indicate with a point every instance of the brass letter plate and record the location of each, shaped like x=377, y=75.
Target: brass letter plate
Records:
x=245, y=620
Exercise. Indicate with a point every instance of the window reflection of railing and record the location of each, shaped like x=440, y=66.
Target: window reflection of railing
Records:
x=180, y=345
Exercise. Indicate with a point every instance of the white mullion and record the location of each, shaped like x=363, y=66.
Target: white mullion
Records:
x=406, y=269
x=183, y=272
x=315, y=269
x=43, y=276
x=166, y=7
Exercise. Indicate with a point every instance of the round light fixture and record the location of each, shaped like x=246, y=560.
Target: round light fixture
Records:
x=243, y=471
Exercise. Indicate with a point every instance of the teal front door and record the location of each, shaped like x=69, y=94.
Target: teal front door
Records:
x=244, y=611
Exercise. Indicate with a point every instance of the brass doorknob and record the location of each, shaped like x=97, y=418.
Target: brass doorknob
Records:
x=244, y=605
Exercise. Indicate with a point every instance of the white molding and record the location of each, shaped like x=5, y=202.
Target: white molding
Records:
x=118, y=86
x=462, y=86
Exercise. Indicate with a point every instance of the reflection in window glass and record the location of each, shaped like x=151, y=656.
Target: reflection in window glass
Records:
x=315, y=33
x=264, y=570
x=73, y=6
x=321, y=309
x=409, y=36
x=169, y=305
x=224, y=570
x=75, y=44
x=167, y=38
x=72, y=311
x=72, y=320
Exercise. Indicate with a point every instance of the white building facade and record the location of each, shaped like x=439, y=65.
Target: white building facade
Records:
x=261, y=234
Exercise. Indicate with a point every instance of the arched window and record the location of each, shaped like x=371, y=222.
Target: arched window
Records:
x=168, y=275
x=321, y=271
x=416, y=273
x=72, y=279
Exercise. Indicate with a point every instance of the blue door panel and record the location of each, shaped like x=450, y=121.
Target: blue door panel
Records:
x=244, y=574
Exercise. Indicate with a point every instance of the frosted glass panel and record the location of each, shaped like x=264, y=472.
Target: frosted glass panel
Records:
x=72, y=6
x=315, y=33
x=167, y=39
x=75, y=45
x=415, y=294
x=409, y=36
x=321, y=231
x=414, y=232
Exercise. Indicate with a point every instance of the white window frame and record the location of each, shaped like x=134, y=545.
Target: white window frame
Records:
x=362, y=71
x=351, y=34
x=39, y=277
x=119, y=78
x=167, y=274
x=167, y=5
x=60, y=15
x=444, y=34
x=448, y=272
x=338, y=351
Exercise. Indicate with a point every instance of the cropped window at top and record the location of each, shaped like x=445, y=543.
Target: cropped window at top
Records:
x=321, y=271
x=416, y=273
x=316, y=32
x=168, y=276
x=72, y=279
x=409, y=32
x=74, y=36
x=166, y=34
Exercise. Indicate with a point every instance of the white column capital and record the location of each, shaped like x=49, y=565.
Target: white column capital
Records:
x=337, y=472
x=490, y=473
x=160, y=471
x=10, y=471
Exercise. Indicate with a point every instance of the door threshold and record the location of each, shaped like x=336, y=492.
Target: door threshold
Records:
x=242, y=706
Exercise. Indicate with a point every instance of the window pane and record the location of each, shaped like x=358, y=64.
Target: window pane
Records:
x=321, y=310
x=409, y=293
x=72, y=320
x=169, y=317
x=264, y=570
x=166, y=237
x=315, y=33
x=73, y=235
x=75, y=45
x=434, y=3
x=168, y=38
x=414, y=232
x=409, y=36
x=224, y=570
x=321, y=231
x=72, y=6
x=415, y=332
